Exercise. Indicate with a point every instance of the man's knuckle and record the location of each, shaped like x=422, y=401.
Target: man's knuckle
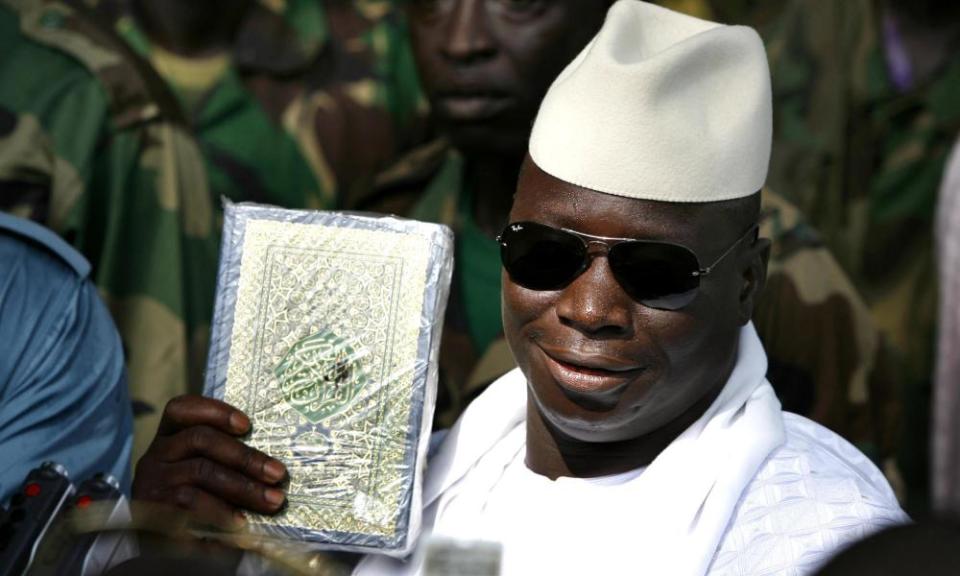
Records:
x=250, y=488
x=250, y=458
x=201, y=469
x=199, y=439
x=221, y=475
x=184, y=496
x=175, y=405
x=173, y=414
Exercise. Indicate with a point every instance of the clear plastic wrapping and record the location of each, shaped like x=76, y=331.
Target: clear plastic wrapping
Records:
x=326, y=333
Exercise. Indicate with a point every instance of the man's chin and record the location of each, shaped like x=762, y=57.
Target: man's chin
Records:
x=584, y=425
x=485, y=139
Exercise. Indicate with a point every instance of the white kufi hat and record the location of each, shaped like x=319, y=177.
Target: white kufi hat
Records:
x=660, y=106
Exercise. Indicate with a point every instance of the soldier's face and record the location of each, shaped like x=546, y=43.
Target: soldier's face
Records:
x=600, y=366
x=486, y=64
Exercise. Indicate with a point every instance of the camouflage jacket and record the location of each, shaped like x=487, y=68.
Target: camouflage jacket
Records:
x=826, y=358
x=863, y=160
x=93, y=146
x=314, y=99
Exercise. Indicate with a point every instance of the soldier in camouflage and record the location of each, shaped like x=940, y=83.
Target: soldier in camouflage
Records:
x=93, y=146
x=295, y=103
x=823, y=347
x=866, y=107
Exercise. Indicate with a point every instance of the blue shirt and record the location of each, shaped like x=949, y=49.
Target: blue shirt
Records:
x=63, y=388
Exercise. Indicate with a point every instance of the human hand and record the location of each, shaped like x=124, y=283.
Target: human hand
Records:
x=197, y=463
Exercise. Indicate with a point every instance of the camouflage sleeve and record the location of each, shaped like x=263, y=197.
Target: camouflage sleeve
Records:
x=819, y=51
x=27, y=166
x=827, y=360
x=152, y=224
x=126, y=186
x=57, y=115
x=352, y=125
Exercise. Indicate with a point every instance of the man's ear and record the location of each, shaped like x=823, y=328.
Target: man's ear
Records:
x=754, y=275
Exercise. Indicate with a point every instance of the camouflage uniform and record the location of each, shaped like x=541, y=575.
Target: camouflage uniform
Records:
x=863, y=161
x=825, y=354
x=92, y=146
x=314, y=99
x=357, y=121
x=755, y=13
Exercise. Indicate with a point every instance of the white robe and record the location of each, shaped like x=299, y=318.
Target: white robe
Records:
x=746, y=489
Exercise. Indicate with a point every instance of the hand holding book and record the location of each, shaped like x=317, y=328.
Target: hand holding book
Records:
x=324, y=333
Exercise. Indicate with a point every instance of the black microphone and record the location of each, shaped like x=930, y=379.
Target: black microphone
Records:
x=32, y=511
x=100, y=507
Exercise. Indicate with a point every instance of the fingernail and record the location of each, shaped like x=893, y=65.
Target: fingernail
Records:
x=239, y=422
x=275, y=471
x=239, y=519
x=274, y=497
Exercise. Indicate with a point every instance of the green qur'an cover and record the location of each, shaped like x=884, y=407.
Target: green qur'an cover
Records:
x=326, y=333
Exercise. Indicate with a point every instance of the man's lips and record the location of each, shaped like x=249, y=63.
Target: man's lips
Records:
x=472, y=106
x=598, y=378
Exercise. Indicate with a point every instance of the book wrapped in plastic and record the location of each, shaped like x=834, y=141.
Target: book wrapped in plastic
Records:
x=326, y=333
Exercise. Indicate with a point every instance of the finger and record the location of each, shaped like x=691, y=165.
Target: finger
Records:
x=228, y=485
x=190, y=410
x=208, y=442
x=206, y=509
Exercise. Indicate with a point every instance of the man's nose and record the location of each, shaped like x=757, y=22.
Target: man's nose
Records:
x=468, y=36
x=595, y=304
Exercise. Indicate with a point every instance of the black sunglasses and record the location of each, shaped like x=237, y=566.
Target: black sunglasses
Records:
x=656, y=274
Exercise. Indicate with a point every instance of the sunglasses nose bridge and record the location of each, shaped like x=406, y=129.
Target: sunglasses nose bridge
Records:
x=597, y=248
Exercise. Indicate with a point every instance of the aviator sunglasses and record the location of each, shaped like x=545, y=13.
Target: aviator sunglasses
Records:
x=656, y=274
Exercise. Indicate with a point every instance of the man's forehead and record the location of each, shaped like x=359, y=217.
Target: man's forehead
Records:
x=544, y=198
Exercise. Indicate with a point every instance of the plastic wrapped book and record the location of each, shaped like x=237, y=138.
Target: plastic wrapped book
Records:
x=326, y=332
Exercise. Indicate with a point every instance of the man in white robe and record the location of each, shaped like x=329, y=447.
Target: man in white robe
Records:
x=659, y=130
x=639, y=434
x=813, y=494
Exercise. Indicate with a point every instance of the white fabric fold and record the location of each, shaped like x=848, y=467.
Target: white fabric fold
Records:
x=668, y=520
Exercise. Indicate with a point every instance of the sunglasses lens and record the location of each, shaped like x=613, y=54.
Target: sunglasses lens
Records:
x=656, y=275
x=539, y=257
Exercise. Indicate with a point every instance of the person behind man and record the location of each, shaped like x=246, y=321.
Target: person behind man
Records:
x=295, y=103
x=485, y=67
x=867, y=101
x=63, y=389
x=95, y=148
x=945, y=426
x=639, y=432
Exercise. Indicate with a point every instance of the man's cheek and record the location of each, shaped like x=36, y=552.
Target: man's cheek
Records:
x=522, y=306
x=680, y=334
x=520, y=316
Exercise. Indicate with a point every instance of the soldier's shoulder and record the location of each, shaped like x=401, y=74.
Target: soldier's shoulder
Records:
x=802, y=263
x=406, y=183
x=786, y=227
x=21, y=235
x=134, y=92
x=418, y=165
x=286, y=37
